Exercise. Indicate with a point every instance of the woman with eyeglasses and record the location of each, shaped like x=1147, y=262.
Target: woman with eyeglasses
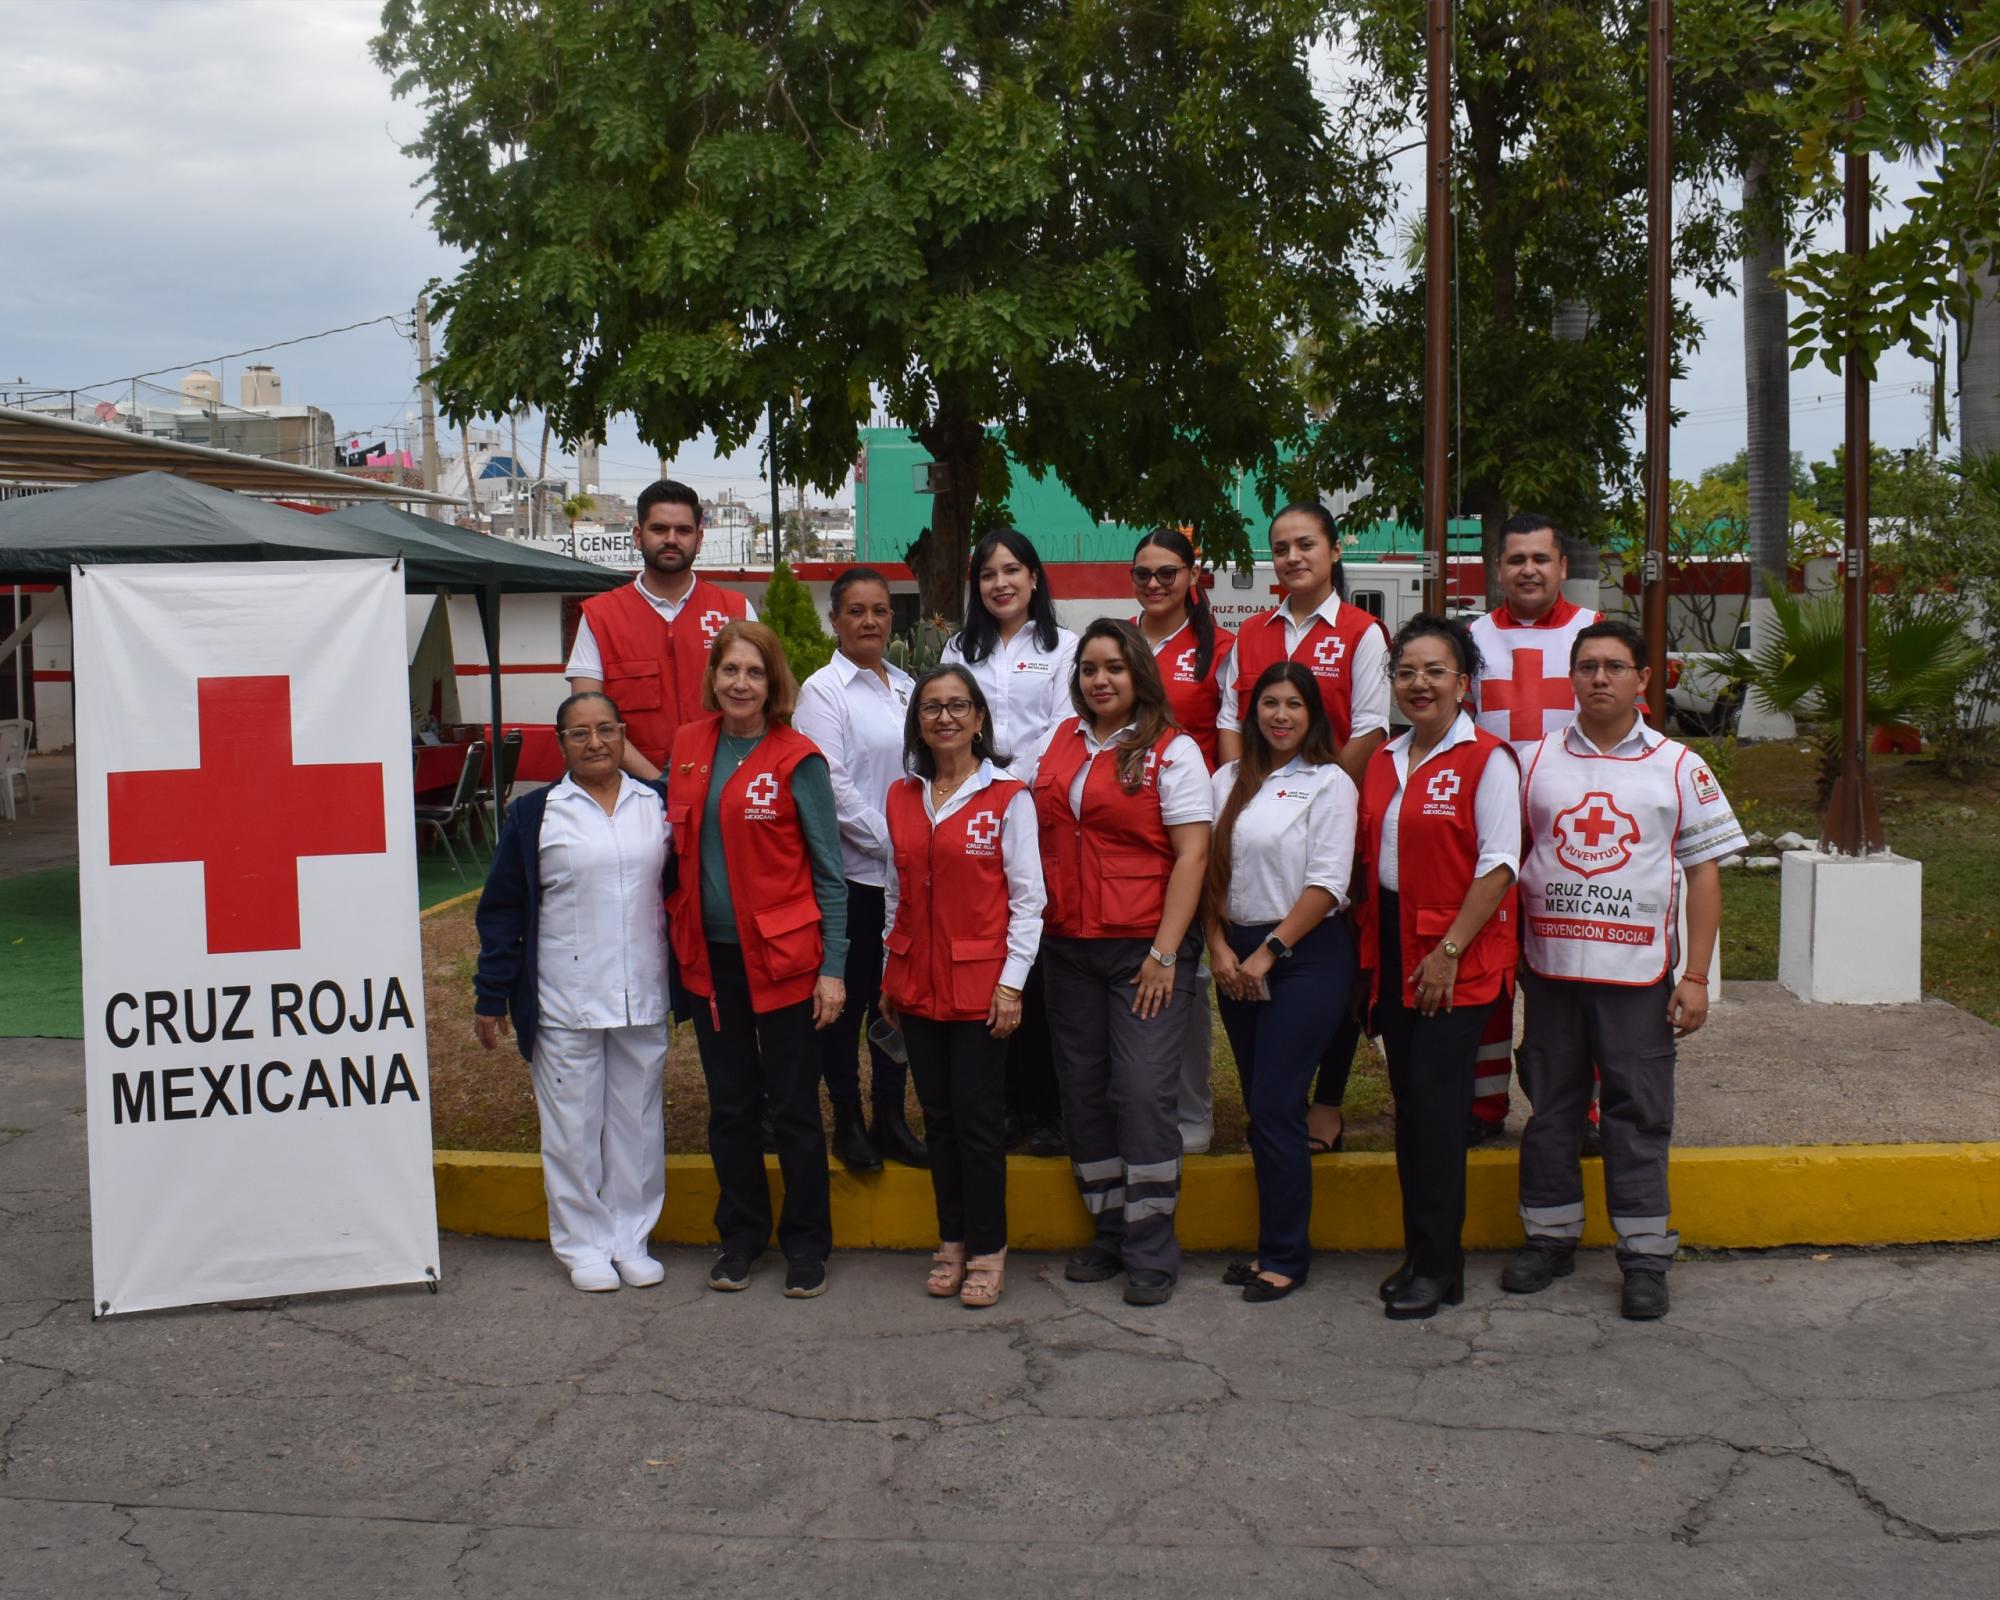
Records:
x=1123, y=801
x=758, y=920
x=1021, y=660
x=1175, y=619
x=572, y=947
x=1283, y=957
x=854, y=708
x=1438, y=852
x=964, y=897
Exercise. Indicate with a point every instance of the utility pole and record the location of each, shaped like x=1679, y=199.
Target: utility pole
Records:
x=429, y=399
x=1852, y=827
x=771, y=455
x=1659, y=334
x=1437, y=306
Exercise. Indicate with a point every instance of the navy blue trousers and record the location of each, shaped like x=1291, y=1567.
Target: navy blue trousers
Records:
x=1278, y=1044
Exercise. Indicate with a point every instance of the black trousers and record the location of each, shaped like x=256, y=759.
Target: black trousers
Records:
x=753, y=1061
x=839, y=1045
x=1032, y=1094
x=1431, y=1065
x=1277, y=1043
x=961, y=1074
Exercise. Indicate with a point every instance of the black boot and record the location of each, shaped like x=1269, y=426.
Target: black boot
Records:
x=1538, y=1264
x=1397, y=1281
x=1645, y=1294
x=893, y=1137
x=1421, y=1297
x=851, y=1145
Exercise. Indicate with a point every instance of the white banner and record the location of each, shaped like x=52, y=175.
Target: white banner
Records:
x=253, y=999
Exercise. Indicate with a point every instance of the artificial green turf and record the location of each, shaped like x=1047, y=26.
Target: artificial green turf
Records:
x=41, y=966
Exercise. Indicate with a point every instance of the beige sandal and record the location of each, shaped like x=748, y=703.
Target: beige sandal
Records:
x=985, y=1276
x=947, y=1270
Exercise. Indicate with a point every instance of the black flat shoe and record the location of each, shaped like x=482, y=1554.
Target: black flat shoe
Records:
x=1261, y=1291
x=1238, y=1273
x=893, y=1138
x=1092, y=1266
x=1397, y=1281
x=1148, y=1286
x=1422, y=1297
x=852, y=1147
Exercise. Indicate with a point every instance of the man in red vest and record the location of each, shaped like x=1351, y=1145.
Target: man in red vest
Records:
x=1522, y=692
x=646, y=645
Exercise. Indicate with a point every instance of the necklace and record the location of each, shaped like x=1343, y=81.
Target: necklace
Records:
x=942, y=791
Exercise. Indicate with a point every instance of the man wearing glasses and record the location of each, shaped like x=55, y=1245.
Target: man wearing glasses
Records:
x=1522, y=692
x=1611, y=807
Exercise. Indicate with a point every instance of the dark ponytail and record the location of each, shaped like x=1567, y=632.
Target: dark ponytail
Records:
x=1201, y=618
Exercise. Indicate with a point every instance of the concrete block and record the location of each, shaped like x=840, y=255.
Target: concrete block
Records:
x=1850, y=928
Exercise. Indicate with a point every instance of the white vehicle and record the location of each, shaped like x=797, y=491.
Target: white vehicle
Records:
x=1702, y=696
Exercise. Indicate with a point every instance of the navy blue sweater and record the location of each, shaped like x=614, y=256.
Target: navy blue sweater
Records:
x=510, y=917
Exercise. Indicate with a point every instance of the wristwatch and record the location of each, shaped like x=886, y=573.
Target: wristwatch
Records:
x=1165, y=958
x=1451, y=949
x=1278, y=948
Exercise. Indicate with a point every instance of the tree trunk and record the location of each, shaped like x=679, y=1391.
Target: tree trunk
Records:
x=1767, y=390
x=957, y=444
x=1979, y=373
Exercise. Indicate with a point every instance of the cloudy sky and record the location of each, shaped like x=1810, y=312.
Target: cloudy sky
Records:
x=185, y=180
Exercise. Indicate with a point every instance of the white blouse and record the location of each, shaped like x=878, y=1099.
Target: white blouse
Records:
x=1020, y=860
x=1295, y=833
x=1496, y=808
x=601, y=946
x=1026, y=687
x=858, y=721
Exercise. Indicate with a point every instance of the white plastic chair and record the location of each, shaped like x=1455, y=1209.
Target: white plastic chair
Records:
x=15, y=735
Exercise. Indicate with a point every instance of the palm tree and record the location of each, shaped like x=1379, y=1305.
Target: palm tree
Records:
x=1767, y=386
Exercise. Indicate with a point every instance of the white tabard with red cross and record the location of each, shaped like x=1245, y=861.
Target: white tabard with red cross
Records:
x=253, y=1002
x=1523, y=689
x=1597, y=879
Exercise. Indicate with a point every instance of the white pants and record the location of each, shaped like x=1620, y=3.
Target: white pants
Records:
x=1197, y=1096
x=604, y=1141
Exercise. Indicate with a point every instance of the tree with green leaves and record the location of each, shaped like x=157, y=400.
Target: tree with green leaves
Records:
x=1098, y=227
x=788, y=612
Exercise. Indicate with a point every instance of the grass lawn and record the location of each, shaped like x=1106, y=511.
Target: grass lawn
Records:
x=1950, y=826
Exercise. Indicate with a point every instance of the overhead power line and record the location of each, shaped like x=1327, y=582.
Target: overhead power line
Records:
x=393, y=319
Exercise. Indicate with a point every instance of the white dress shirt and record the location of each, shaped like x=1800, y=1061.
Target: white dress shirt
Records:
x=1496, y=808
x=1020, y=860
x=1295, y=833
x=1026, y=687
x=1182, y=779
x=586, y=661
x=1367, y=674
x=601, y=946
x=857, y=721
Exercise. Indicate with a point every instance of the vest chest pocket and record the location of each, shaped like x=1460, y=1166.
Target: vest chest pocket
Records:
x=790, y=936
x=681, y=820
x=635, y=685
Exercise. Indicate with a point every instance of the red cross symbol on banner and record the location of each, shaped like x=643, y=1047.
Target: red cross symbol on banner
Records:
x=1526, y=695
x=247, y=814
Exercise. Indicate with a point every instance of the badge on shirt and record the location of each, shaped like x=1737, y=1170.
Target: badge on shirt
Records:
x=762, y=793
x=1032, y=664
x=1706, y=789
x=1292, y=794
x=982, y=834
x=1595, y=836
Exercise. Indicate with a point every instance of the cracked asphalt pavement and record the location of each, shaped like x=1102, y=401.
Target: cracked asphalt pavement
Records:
x=1819, y=1423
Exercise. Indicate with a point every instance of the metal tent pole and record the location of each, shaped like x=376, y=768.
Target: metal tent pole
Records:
x=1659, y=341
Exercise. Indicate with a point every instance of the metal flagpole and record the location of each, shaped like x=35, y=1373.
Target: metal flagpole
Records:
x=1659, y=341
x=1852, y=827
x=1437, y=306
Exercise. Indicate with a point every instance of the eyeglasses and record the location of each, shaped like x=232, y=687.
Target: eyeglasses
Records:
x=1614, y=670
x=958, y=710
x=1146, y=577
x=607, y=731
x=1404, y=677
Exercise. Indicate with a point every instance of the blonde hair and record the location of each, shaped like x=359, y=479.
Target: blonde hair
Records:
x=783, y=693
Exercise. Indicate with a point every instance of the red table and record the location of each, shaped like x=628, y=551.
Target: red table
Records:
x=438, y=765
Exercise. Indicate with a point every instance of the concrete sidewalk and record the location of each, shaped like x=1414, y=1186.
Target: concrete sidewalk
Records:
x=1820, y=1423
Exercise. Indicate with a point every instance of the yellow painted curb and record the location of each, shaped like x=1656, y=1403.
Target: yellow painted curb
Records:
x=1737, y=1197
x=446, y=905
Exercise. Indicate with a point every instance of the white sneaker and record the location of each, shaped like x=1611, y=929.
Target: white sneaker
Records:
x=1195, y=1141
x=641, y=1273
x=594, y=1280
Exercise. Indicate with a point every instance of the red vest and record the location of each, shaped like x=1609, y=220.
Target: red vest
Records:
x=1326, y=651
x=770, y=870
x=652, y=667
x=1106, y=871
x=1437, y=846
x=949, y=943
x=1195, y=702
